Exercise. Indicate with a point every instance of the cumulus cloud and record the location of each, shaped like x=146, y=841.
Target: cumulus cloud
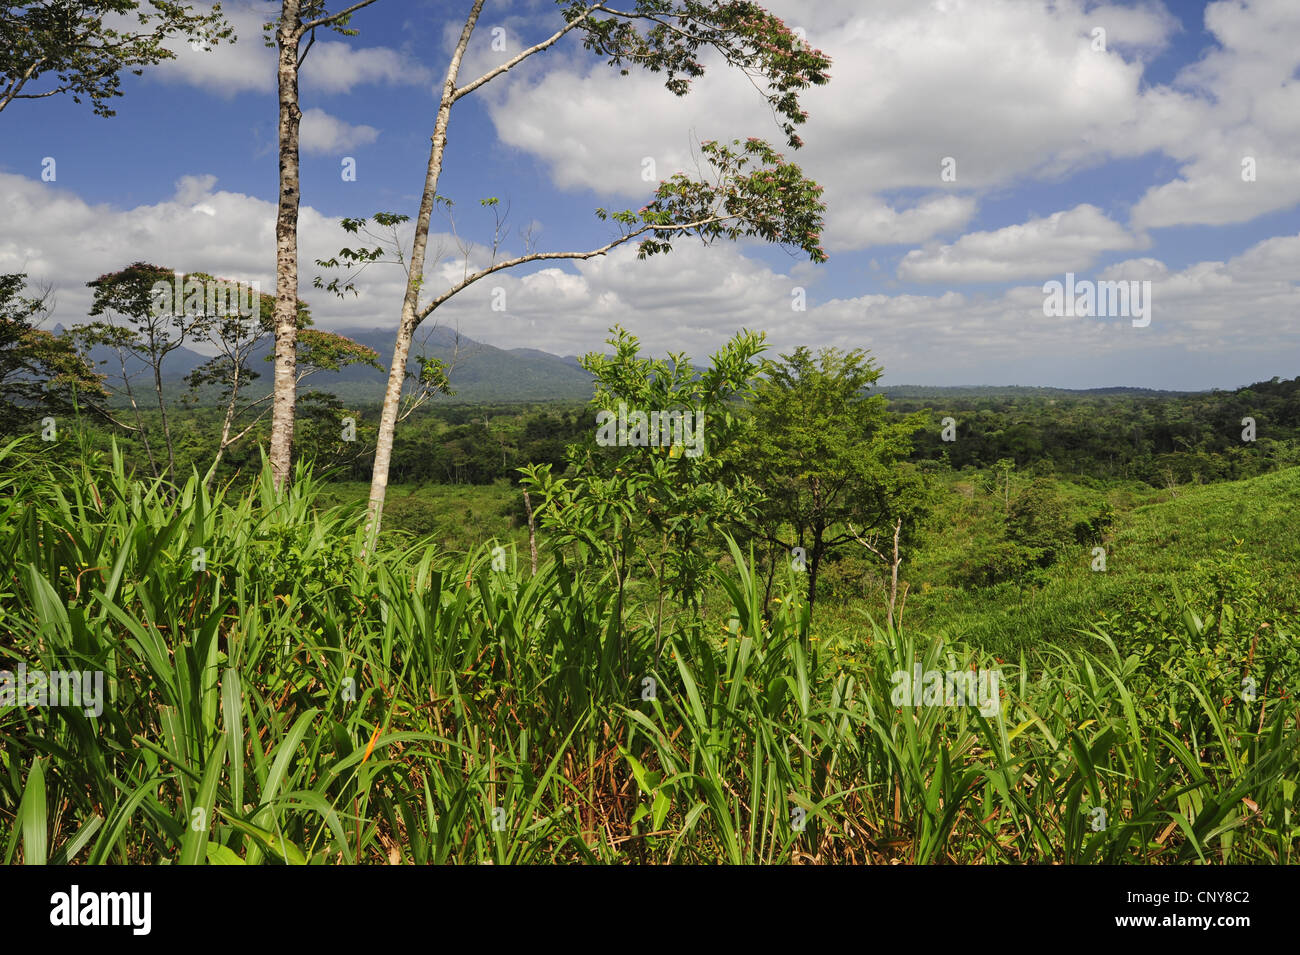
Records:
x=1243, y=159
x=58, y=237
x=1012, y=91
x=249, y=66
x=1064, y=241
x=322, y=133
x=1241, y=310
x=692, y=300
x=245, y=65
x=336, y=67
x=1007, y=89
x=877, y=223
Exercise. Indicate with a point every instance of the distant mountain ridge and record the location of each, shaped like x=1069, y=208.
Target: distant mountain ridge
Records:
x=964, y=391
x=481, y=372
x=486, y=373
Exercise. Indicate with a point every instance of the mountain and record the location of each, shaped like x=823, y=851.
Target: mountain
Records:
x=481, y=372
x=176, y=365
x=486, y=373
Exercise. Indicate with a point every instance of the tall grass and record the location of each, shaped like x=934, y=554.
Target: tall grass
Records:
x=276, y=699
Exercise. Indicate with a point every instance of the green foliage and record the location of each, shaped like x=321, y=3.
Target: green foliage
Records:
x=289, y=703
x=966, y=584
x=40, y=373
x=828, y=460
x=1218, y=620
x=653, y=509
x=52, y=47
x=1039, y=523
x=773, y=202
x=1165, y=439
x=152, y=311
x=666, y=36
x=358, y=259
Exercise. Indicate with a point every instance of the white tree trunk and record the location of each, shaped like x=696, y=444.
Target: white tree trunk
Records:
x=410, y=303
x=286, y=248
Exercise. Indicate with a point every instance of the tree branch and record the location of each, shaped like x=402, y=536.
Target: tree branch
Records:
x=333, y=17
x=303, y=55
x=523, y=55
x=253, y=424
x=540, y=256
x=19, y=82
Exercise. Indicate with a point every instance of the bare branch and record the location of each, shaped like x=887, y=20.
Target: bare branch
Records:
x=253, y=424
x=542, y=256
x=331, y=18
x=103, y=412
x=310, y=43
x=523, y=55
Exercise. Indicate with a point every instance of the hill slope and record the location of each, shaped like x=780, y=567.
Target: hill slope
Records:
x=1150, y=546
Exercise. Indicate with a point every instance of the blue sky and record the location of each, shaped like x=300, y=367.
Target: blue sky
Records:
x=1115, y=163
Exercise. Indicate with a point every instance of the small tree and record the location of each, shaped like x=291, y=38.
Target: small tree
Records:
x=40, y=373
x=51, y=47
x=140, y=325
x=151, y=312
x=1003, y=468
x=1039, y=523
x=829, y=459
x=649, y=492
x=118, y=341
x=238, y=336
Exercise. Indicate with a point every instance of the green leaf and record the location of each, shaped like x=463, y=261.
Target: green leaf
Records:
x=194, y=844
x=32, y=817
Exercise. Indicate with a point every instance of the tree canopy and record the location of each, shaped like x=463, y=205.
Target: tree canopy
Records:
x=82, y=47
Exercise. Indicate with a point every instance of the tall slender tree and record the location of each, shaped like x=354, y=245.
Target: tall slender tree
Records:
x=299, y=20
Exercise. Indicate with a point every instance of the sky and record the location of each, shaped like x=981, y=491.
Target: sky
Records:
x=972, y=153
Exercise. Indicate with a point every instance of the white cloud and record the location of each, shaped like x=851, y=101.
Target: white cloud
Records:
x=1064, y=241
x=695, y=299
x=322, y=133
x=248, y=65
x=1241, y=310
x=244, y=65
x=876, y=223
x=1134, y=270
x=1010, y=89
x=1250, y=108
x=336, y=67
x=57, y=237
